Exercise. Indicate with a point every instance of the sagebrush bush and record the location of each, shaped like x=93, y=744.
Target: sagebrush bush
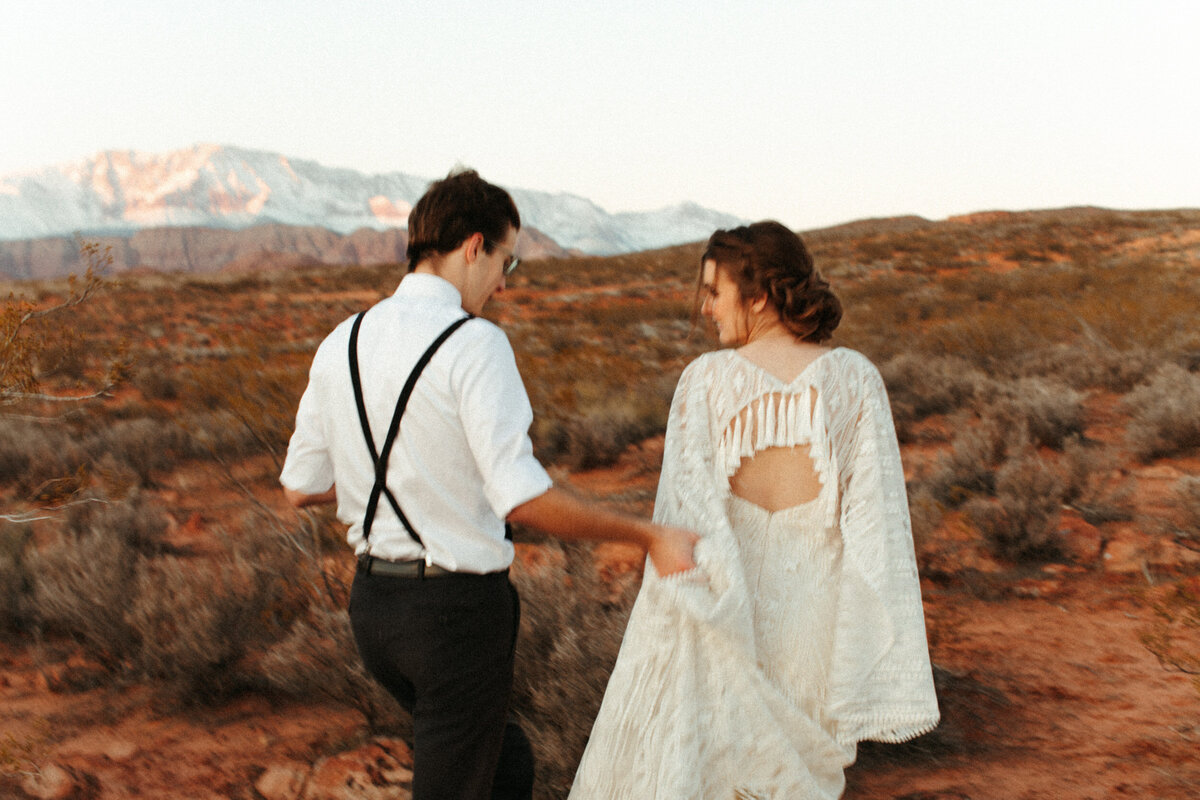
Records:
x=136, y=523
x=597, y=438
x=139, y=610
x=1185, y=500
x=1088, y=365
x=597, y=431
x=921, y=385
x=158, y=381
x=1021, y=523
x=1164, y=419
x=1174, y=637
x=202, y=622
x=318, y=658
x=82, y=588
x=1048, y=410
x=148, y=446
x=32, y=453
x=217, y=435
x=985, y=336
x=1092, y=483
x=968, y=467
x=16, y=578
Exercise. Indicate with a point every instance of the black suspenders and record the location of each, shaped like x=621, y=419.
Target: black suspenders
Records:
x=380, y=458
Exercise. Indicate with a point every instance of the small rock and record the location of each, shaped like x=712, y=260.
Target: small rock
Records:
x=52, y=782
x=282, y=781
x=1161, y=472
x=1063, y=569
x=1032, y=587
x=1126, y=551
x=380, y=770
x=120, y=750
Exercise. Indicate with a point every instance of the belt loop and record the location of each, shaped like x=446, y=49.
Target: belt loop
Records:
x=421, y=570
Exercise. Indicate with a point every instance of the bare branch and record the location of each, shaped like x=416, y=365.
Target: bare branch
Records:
x=48, y=512
x=7, y=398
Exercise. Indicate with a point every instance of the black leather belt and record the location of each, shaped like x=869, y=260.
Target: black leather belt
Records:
x=401, y=569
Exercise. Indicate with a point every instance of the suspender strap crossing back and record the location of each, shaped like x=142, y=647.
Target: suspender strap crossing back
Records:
x=380, y=458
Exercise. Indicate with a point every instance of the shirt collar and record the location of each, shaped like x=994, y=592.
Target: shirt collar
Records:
x=425, y=286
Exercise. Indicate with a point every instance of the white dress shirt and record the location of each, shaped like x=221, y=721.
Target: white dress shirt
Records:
x=462, y=459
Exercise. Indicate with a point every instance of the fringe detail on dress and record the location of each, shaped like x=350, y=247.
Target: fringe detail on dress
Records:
x=772, y=420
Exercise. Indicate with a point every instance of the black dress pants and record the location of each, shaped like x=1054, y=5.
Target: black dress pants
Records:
x=443, y=647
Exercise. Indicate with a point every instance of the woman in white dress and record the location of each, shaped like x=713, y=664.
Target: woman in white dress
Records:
x=801, y=631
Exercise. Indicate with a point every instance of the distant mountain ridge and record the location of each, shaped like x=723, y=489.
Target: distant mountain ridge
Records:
x=118, y=193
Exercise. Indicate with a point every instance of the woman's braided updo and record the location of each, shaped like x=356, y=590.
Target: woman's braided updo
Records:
x=767, y=259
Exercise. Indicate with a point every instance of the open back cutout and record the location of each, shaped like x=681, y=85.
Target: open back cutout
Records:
x=776, y=477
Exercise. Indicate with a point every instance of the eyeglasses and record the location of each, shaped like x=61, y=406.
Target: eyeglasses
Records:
x=510, y=263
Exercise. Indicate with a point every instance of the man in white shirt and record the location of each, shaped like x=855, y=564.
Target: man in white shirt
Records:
x=428, y=500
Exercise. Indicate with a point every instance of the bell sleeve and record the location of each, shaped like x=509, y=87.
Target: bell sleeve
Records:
x=882, y=678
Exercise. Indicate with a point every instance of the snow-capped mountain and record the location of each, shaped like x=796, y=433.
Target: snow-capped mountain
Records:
x=118, y=193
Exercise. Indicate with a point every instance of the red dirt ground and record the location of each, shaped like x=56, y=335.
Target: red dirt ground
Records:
x=1046, y=691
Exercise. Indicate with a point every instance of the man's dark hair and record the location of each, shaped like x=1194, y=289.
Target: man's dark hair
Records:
x=454, y=208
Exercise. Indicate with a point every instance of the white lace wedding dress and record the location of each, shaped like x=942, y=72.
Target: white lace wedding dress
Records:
x=801, y=631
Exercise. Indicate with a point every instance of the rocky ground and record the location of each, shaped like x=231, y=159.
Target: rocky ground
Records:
x=1046, y=688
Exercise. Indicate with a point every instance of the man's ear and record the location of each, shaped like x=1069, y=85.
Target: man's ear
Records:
x=472, y=247
x=759, y=304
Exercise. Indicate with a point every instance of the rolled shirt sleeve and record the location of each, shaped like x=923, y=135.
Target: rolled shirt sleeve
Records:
x=495, y=408
x=308, y=467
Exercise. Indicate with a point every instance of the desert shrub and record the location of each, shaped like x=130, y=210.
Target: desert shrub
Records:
x=1089, y=486
x=874, y=249
x=1185, y=500
x=16, y=578
x=189, y=624
x=82, y=589
x=318, y=658
x=968, y=467
x=1163, y=414
x=599, y=429
x=571, y=628
x=137, y=524
x=62, y=354
x=921, y=385
x=198, y=620
x=1088, y=365
x=84, y=582
x=217, y=435
x=1021, y=523
x=146, y=445
x=597, y=438
x=158, y=382
x=254, y=390
x=1045, y=408
x=986, y=336
x=33, y=453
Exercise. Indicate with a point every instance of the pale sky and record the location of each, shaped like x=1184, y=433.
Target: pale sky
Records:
x=812, y=113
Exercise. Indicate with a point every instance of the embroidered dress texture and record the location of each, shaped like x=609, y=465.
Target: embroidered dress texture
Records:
x=801, y=631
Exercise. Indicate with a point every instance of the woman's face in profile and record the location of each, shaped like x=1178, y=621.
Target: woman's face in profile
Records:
x=723, y=304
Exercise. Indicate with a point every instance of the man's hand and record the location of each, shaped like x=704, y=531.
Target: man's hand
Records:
x=672, y=550
x=301, y=500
